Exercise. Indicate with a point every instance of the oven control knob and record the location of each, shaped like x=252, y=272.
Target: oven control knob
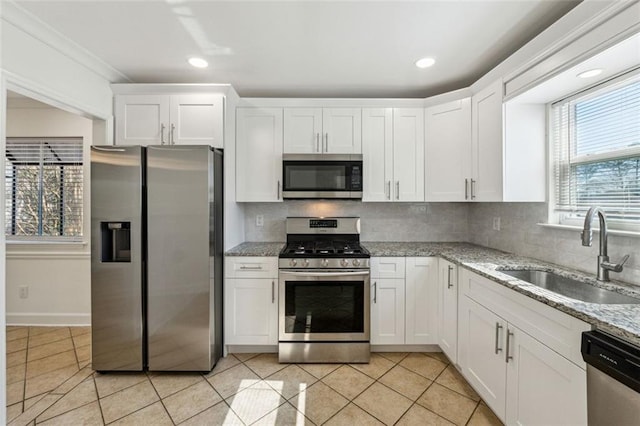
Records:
x=356, y=262
x=293, y=262
x=325, y=262
x=344, y=262
x=306, y=262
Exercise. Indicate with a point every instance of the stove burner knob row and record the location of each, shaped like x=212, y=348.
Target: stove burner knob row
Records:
x=356, y=262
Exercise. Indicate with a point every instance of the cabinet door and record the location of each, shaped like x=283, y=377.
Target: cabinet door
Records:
x=377, y=153
x=448, y=309
x=197, y=119
x=481, y=353
x=258, y=154
x=387, y=311
x=142, y=119
x=408, y=154
x=251, y=311
x=422, y=301
x=342, y=129
x=448, y=151
x=486, y=139
x=303, y=130
x=544, y=388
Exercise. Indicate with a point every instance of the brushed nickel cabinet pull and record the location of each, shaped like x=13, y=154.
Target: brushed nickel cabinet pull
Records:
x=498, y=328
x=375, y=292
x=317, y=142
x=273, y=292
x=172, y=141
x=508, y=357
x=162, y=127
x=466, y=189
x=473, y=189
x=449, y=283
x=397, y=190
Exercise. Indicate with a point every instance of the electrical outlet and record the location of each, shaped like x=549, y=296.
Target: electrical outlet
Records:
x=24, y=291
x=496, y=223
x=259, y=220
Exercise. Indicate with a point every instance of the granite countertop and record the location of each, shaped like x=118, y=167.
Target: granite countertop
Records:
x=619, y=320
x=256, y=249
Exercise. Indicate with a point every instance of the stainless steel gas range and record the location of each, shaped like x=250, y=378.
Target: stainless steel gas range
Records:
x=324, y=292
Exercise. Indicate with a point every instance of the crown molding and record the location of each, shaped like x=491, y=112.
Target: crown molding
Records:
x=27, y=22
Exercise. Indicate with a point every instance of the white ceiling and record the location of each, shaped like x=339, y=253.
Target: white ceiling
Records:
x=304, y=48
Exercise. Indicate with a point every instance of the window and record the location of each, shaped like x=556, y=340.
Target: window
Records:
x=43, y=184
x=596, y=138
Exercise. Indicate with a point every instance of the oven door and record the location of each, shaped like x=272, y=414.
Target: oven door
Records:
x=321, y=306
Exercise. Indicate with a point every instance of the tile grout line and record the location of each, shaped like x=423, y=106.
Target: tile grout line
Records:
x=95, y=386
x=164, y=407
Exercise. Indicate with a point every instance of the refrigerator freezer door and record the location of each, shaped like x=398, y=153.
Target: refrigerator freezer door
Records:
x=180, y=254
x=117, y=258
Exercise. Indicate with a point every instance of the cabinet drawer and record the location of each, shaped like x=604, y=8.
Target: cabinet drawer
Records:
x=553, y=328
x=387, y=267
x=251, y=267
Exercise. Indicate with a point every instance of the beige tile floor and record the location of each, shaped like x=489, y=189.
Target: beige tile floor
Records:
x=50, y=381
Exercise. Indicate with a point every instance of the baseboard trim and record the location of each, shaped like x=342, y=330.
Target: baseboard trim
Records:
x=405, y=348
x=31, y=319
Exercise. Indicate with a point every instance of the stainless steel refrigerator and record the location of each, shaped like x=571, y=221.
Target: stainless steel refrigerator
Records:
x=156, y=258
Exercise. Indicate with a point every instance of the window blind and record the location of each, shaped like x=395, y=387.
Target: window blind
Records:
x=597, y=152
x=43, y=187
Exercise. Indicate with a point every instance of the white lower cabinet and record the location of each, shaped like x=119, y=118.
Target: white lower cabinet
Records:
x=251, y=301
x=387, y=311
x=404, y=301
x=421, y=301
x=524, y=380
x=448, y=309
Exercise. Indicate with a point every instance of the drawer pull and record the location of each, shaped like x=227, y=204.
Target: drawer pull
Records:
x=449, y=283
x=251, y=268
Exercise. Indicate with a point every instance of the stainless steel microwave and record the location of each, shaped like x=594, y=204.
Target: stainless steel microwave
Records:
x=322, y=176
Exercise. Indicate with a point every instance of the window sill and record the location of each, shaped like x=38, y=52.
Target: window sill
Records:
x=47, y=249
x=618, y=232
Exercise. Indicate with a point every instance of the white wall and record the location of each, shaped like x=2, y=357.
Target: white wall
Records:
x=57, y=275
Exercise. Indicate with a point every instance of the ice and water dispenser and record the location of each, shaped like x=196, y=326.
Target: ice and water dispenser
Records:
x=116, y=241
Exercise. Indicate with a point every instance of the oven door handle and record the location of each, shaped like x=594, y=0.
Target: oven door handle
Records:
x=324, y=274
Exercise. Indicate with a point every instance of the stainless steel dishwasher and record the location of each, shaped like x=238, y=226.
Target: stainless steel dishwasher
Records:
x=613, y=380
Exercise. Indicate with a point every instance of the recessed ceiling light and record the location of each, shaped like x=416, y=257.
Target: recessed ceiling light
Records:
x=198, y=62
x=425, y=62
x=590, y=73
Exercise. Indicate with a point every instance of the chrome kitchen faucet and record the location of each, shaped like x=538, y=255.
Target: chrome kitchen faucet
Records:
x=604, y=266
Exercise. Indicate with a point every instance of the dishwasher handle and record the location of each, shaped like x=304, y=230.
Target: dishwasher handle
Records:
x=613, y=356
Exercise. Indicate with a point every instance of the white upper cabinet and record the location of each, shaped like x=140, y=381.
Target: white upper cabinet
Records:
x=259, y=154
x=342, y=129
x=190, y=119
x=141, y=119
x=448, y=151
x=393, y=154
x=303, y=130
x=322, y=130
x=408, y=154
x=377, y=153
x=197, y=119
x=487, y=144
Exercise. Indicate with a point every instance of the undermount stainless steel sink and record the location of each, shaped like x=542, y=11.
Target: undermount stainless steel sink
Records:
x=570, y=288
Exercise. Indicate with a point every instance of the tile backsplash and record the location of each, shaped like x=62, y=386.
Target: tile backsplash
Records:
x=520, y=233
x=380, y=221
x=473, y=222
